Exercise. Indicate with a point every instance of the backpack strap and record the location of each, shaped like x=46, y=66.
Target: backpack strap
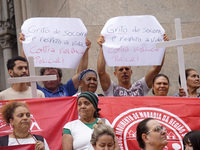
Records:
x=39, y=137
x=4, y=140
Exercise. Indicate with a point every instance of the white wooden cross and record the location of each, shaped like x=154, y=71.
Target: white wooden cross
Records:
x=179, y=42
x=32, y=78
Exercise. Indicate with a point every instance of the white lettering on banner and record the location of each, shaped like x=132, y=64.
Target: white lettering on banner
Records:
x=131, y=41
x=125, y=126
x=54, y=42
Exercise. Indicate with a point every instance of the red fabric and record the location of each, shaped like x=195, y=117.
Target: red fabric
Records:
x=19, y=147
x=179, y=115
x=50, y=114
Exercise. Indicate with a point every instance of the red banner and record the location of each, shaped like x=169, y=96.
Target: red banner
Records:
x=19, y=147
x=49, y=115
x=178, y=115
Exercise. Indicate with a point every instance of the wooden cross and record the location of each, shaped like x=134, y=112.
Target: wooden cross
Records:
x=32, y=78
x=179, y=42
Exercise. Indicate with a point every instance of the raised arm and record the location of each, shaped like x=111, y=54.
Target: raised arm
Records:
x=22, y=38
x=101, y=67
x=155, y=69
x=83, y=64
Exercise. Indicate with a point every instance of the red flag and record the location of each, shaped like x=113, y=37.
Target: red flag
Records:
x=19, y=147
x=48, y=115
x=179, y=115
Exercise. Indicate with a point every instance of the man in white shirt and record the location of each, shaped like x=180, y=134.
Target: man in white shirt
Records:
x=18, y=67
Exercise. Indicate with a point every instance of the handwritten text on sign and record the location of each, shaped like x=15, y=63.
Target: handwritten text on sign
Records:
x=54, y=42
x=131, y=41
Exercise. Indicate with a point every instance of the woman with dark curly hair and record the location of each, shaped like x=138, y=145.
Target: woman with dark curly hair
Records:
x=191, y=140
x=77, y=133
x=18, y=115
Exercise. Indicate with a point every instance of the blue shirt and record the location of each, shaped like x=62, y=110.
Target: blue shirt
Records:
x=67, y=89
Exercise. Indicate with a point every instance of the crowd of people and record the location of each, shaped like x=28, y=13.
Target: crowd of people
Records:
x=98, y=133
x=87, y=79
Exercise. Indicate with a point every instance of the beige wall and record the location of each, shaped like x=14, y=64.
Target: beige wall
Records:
x=95, y=13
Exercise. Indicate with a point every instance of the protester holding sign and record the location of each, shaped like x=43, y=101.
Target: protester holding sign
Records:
x=18, y=115
x=52, y=88
x=18, y=67
x=151, y=135
x=193, y=84
x=160, y=85
x=54, y=42
x=124, y=73
x=77, y=134
x=87, y=81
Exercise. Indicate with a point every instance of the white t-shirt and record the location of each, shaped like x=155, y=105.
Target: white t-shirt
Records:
x=140, y=88
x=10, y=94
x=81, y=134
x=13, y=141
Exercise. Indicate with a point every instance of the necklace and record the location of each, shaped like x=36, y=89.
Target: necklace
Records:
x=23, y=137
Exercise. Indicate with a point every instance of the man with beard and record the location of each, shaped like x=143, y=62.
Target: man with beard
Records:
x=123, y=74
x=18, y=67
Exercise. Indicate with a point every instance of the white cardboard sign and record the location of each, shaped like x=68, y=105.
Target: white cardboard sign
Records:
x=54, y=42
x=131, y=41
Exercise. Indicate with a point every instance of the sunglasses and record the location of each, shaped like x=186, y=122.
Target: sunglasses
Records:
x=159, y=129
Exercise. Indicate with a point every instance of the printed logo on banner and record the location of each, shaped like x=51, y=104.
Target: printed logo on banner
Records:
x=125, y=127
x=8, y=128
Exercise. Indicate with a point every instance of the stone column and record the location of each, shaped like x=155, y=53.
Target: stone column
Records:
x=7, y=36
x=7, y=54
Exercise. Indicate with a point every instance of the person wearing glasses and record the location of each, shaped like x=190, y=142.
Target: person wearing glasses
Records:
x=151, y=135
